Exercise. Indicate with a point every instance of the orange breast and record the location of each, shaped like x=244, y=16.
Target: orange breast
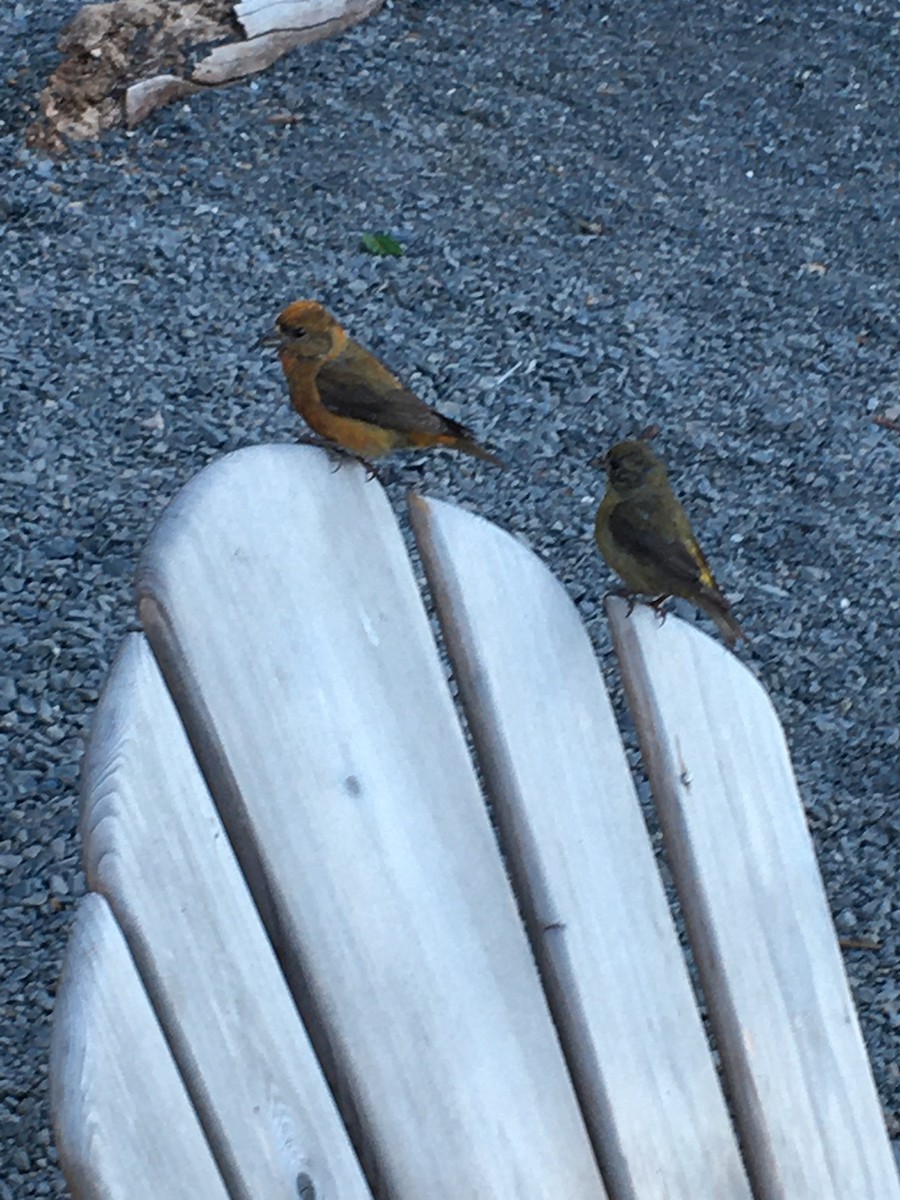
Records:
x=359, y=437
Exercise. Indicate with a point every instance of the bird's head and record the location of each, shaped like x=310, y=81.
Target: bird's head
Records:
x=633, y=465
x=306, y=330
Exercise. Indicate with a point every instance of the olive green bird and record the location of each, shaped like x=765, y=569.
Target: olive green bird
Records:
x=645, y=536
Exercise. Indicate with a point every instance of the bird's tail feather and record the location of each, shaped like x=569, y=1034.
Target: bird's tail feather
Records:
x=717, y=607
x=470, y=446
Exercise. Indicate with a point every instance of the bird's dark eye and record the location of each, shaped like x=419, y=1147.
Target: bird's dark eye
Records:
x=294, y=331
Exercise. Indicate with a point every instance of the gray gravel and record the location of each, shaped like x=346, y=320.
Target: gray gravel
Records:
x=743, y=162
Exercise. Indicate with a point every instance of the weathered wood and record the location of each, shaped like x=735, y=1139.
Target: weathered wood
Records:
x=155, y=847
x=327, y=16
x=746, y=873
x=143, y=97
x=279, y=599
x=272, y=27
x=124, y=1126
x=574, y=837
x=273, y=30
x=235, y=60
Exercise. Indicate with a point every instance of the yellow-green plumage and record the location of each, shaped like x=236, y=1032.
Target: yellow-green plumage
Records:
x=645, y=536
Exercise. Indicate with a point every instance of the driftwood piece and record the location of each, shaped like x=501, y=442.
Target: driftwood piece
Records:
x=272, y=29
x=314, y=18
x=123, y=59
x=141, y=98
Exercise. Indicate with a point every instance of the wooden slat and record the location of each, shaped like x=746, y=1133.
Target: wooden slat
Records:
x=277, y=595
x=747, y=877
x=575, y=839
x=124, y=1126
x=154, y=845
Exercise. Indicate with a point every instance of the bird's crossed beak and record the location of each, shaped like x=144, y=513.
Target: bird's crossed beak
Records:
x=272, y=338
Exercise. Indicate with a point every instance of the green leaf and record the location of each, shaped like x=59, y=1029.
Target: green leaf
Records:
x=381, y=244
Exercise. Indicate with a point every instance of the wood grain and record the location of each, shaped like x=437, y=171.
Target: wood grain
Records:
x=762, y=935
x=275, y=28
x=320, y=18
x=143, y=97
x=576, y=843
x=155, y=847
x=123, y=1124
x=235, y=60
x=278, y=597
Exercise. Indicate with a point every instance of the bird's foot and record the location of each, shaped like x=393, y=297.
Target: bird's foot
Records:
x=634, y=597
x=341, y=456
x=658, y=606
x=371, y=469
x=338, y=454
x=624, y=593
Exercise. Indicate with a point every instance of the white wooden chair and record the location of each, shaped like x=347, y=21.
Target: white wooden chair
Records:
x=305, y=971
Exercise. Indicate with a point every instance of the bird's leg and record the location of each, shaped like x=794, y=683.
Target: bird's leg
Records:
x=625, y=593
x=342, y=455
x=633, y=597
x=337, y=453
x=657, y=606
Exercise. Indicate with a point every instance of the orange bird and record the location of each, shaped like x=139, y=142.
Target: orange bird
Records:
x=346, y=395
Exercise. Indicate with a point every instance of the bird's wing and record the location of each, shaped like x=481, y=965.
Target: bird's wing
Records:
x=672, y=549
x=357, y=385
